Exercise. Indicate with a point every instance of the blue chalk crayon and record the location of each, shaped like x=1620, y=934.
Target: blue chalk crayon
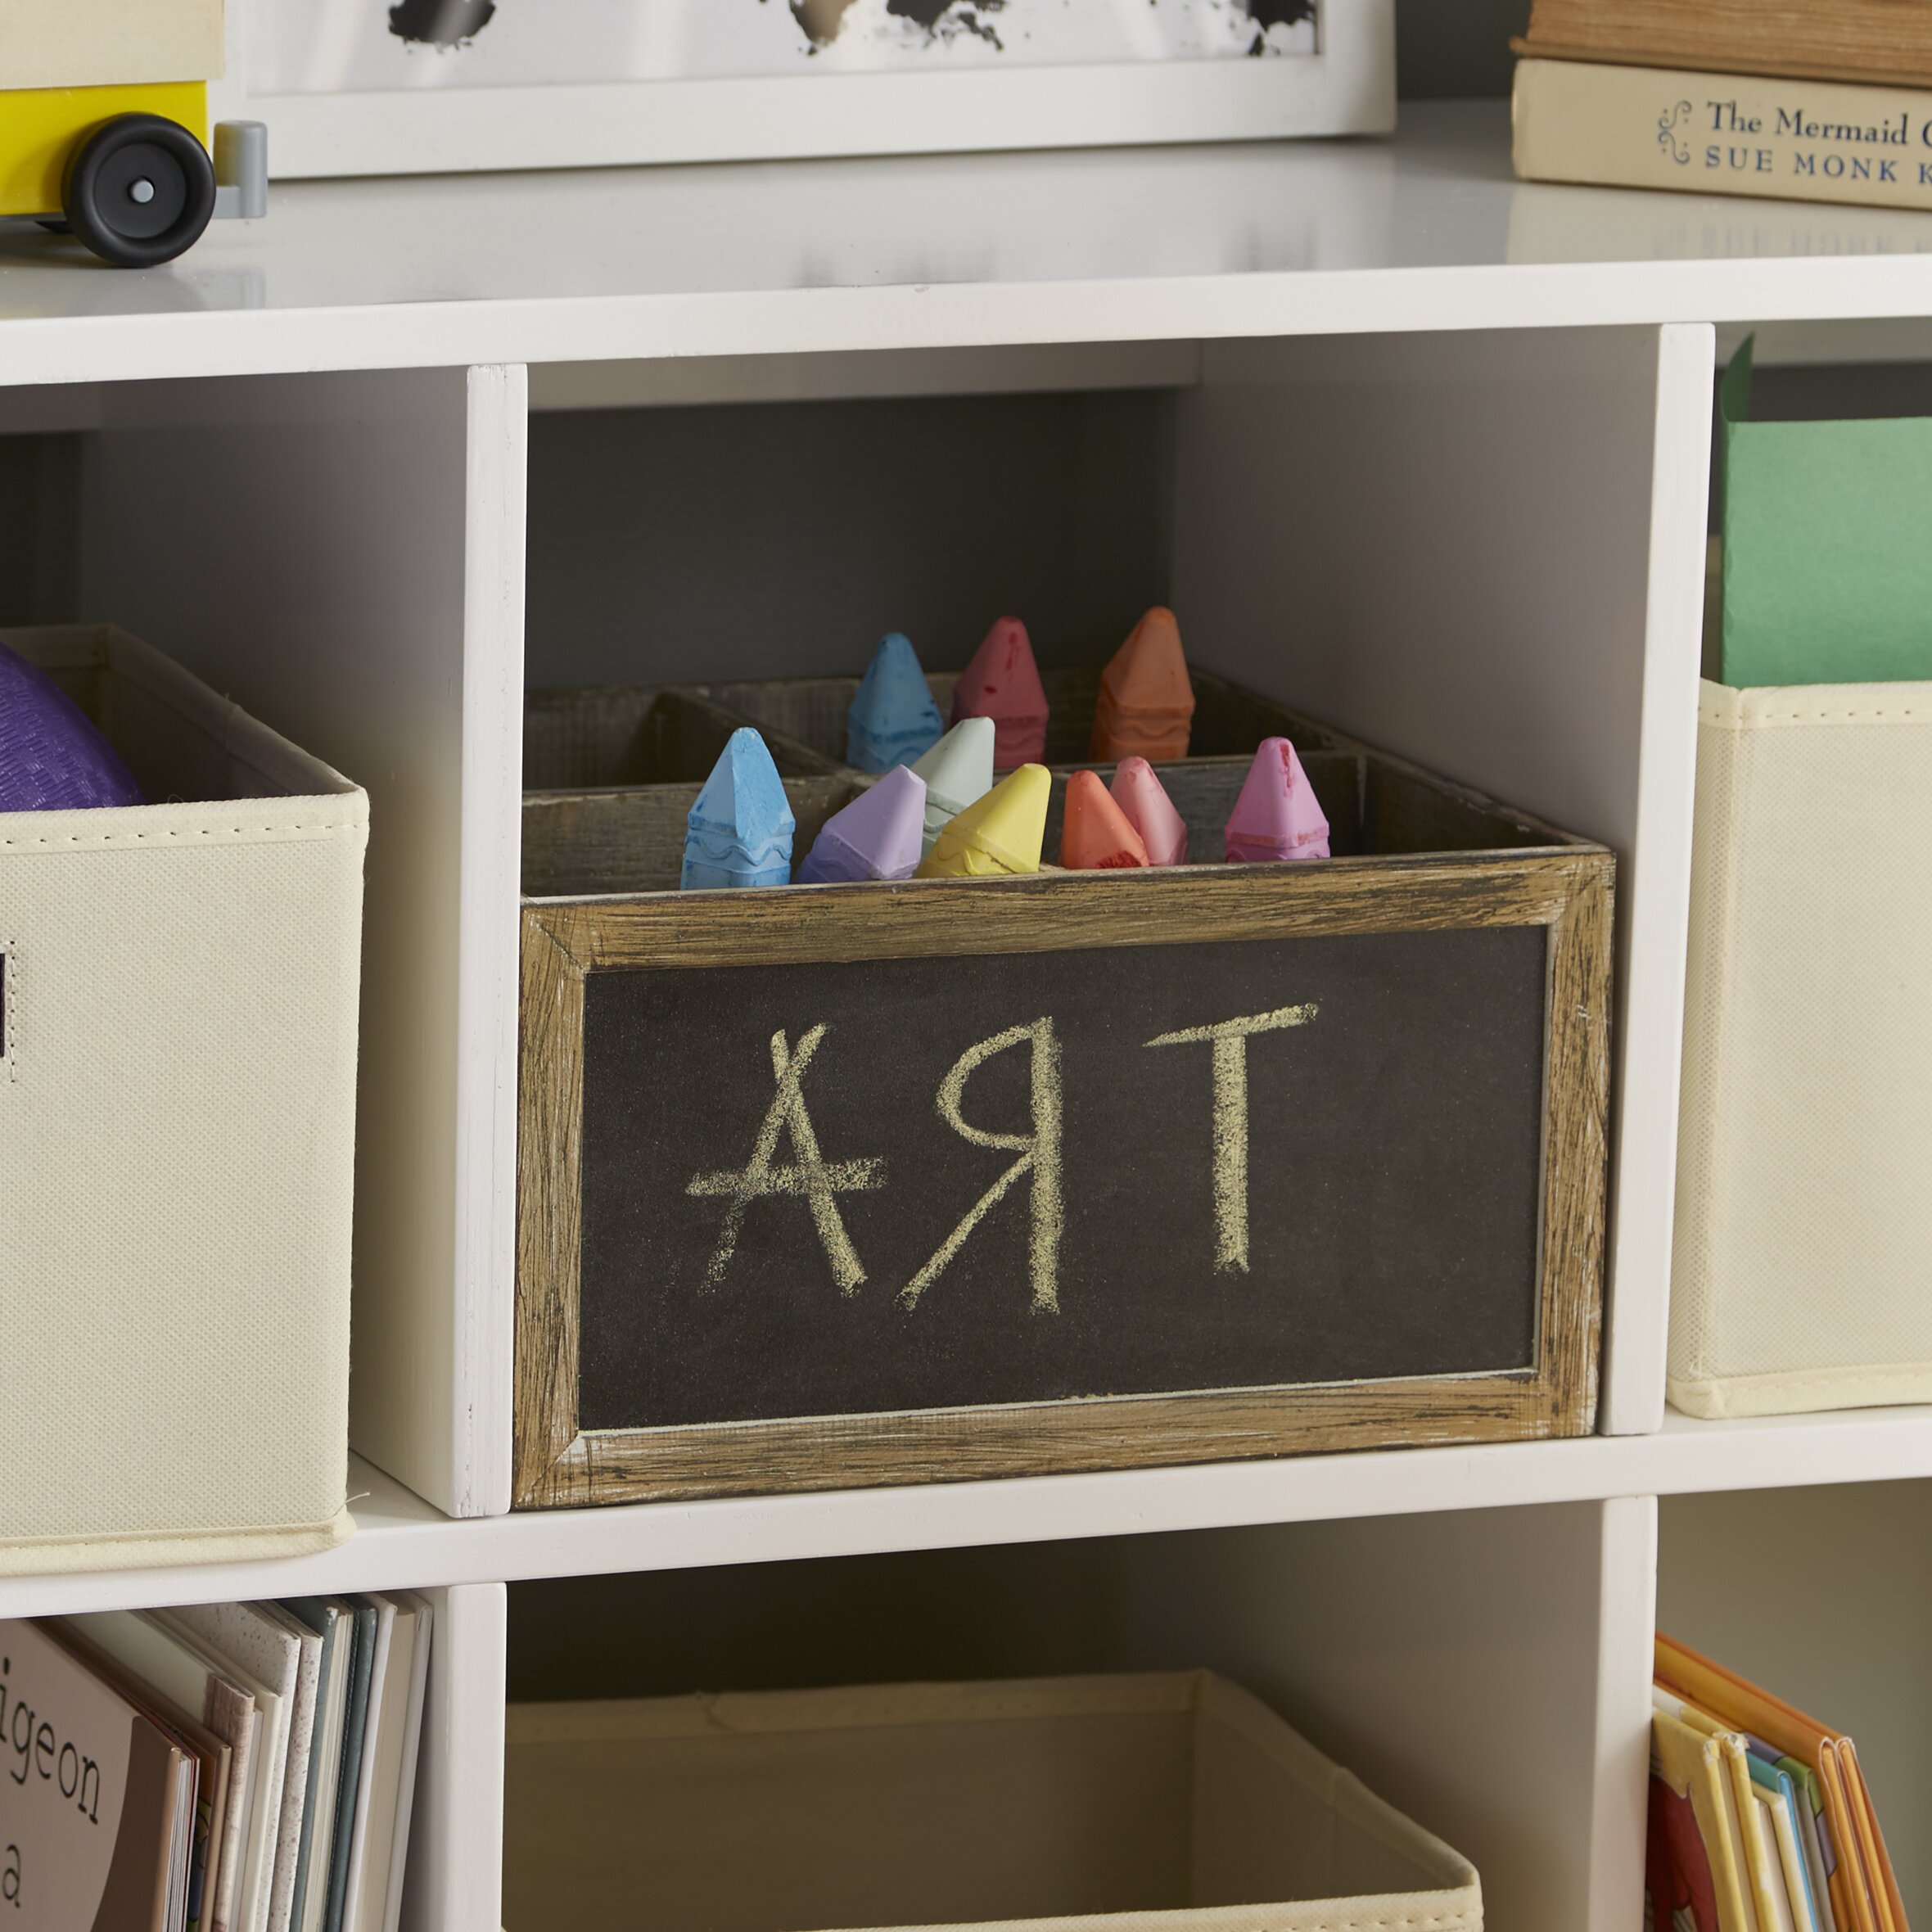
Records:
x=893, y=721
x=739, y=832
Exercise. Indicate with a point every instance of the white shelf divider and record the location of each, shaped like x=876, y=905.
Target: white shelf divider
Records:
x=454, y=1881
x=1486, y=551
x=1625, y=1644
x=343, y=554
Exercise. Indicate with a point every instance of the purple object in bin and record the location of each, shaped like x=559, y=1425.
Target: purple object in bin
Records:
x=51, y=759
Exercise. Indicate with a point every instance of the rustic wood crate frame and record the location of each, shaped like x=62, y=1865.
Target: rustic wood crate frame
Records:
x=1566, y=890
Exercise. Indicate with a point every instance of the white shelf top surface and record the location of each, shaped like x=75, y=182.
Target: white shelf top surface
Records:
x=401, y=1541
x=1429, y=231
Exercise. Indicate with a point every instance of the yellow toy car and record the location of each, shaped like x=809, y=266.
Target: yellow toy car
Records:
x=122, y=162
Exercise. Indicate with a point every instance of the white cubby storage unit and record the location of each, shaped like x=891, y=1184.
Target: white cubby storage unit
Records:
x=1418, y=451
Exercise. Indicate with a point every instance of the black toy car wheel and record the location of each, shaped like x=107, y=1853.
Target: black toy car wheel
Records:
x=140, y=190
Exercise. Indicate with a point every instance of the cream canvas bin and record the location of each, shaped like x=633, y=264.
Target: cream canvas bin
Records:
x=1803, y=1270
x=176, y=1130
x=1171, y=1803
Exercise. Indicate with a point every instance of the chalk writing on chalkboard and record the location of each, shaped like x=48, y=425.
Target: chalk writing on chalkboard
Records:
x=1229, y=1040
x=810, y=1178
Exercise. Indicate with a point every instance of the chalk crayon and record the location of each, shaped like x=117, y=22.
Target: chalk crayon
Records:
x=1095, y=834
x=893, y=719
x=52, y=758
x=957, y=770
x=998, y=834
x=1142, y=799
x=1277, y=815
x=1002, y=683
x=1146, y=706
x=876, y=836
x=739, y=833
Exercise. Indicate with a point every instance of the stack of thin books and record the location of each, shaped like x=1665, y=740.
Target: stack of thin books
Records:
x=229, y=1767
x=1770, y=98
x=1759, y=1817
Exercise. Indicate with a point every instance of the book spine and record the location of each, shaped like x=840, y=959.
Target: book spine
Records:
x=1879, y=42
x=1722, y=133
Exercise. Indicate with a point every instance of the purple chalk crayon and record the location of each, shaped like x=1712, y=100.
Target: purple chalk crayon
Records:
x=877, y=836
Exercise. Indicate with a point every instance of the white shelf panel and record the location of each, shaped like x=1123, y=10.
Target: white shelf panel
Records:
x=1429, y=232
x=403, y=1543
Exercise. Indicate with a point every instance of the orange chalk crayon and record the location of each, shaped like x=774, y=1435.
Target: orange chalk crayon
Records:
x=1094, y=835
x=1146, y=707
x=1002, y=683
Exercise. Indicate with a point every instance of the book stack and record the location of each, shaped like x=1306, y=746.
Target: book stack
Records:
x=1758, y=1815
x=1768, y=97
x=233, y=1767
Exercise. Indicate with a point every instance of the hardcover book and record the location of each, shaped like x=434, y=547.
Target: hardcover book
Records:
x=1876, y=40
x=1722, y=133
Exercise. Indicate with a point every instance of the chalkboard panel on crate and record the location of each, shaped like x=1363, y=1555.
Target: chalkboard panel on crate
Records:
x=966, y=1178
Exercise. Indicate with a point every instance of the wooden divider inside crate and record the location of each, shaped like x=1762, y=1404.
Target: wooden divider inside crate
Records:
x=1228, y=720
x=641, y=734
x=632, y=839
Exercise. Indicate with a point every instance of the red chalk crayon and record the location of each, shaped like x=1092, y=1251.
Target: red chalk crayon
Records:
x=1002, y=683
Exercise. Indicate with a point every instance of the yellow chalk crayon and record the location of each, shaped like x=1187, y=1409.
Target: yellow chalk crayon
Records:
x=999, y=834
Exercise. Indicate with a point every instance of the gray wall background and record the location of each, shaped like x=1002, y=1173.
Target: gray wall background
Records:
x=775, y=539
x=1455, y=49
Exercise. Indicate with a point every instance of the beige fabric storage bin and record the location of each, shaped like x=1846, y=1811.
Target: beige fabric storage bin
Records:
x=1803, y=1270
x=177, y=1131
x=1170, y=1803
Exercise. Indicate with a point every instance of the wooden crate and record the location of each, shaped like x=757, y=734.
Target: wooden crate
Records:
x=847, y=1184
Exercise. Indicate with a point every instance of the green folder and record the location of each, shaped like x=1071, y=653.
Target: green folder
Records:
x=1827, y=555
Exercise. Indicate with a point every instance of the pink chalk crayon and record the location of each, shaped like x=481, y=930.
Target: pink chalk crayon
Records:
x=1002, y=683
x=1143, y=800
x=877, y=836
x=1277, y=815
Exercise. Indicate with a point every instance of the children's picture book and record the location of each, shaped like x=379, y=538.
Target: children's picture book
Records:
x=140, y=1644
x=1759, y=1817
x=97, y=1807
